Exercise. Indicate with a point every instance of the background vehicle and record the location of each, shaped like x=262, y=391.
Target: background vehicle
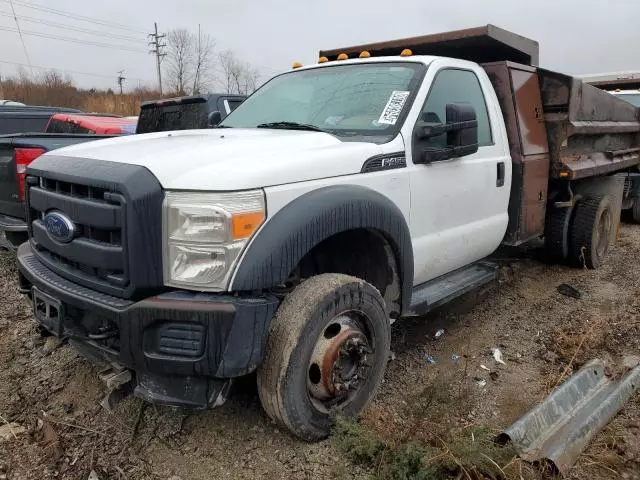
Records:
x=16, y=153
x=625, y=86
x=336, y=197
x=30, y=118
x=183, y=113
x=91, y=124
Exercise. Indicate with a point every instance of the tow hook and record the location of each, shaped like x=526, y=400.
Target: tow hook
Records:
x=118, y=381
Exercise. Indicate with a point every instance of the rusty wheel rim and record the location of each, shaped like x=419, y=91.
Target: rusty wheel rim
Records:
x=338, y=366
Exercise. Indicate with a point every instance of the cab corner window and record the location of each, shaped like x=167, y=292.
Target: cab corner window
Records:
x=457, y=87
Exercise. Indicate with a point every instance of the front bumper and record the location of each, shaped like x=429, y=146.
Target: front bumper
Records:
x=182, y=346
x=13, y=232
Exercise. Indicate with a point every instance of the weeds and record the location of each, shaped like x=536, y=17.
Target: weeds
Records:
x=470, y=453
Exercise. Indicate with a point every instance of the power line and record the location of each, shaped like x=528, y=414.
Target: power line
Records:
x=75, y=72
x=84, y=18
x=25, y=18
x=24, y=46
x=75, y=40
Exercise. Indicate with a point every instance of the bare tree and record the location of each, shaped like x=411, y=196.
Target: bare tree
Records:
x=237, y=77
x=180, y=49
x=202, y=61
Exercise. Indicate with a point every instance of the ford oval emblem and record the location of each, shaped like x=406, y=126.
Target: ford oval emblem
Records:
x=59, y=227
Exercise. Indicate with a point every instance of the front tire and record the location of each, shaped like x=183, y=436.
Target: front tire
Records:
x=326, y=354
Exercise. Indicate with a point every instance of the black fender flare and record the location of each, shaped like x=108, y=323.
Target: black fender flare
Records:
x=313, y=217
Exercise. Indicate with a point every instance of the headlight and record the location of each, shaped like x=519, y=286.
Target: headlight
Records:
x=204, y=234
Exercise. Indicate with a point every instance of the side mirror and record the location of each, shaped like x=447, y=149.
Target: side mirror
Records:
x=461, y=129
x=214, y=119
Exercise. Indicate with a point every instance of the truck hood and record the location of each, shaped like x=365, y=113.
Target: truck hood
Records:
x=231, y=159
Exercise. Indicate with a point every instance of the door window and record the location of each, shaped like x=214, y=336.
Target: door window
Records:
x=461, y=87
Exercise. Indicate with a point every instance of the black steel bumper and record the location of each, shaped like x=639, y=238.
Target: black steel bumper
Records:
x=182, y=346
x=13, y=232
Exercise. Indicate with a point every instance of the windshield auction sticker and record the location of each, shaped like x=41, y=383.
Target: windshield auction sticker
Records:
x=393, y=108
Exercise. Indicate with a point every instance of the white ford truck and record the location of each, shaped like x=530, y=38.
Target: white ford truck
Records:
x=370, y=186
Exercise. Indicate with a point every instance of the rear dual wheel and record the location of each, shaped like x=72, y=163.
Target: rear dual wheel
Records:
x=583, y=234
x=592, y=231
x=326, y=354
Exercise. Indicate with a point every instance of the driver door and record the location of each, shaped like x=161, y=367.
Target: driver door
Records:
x=459, y=206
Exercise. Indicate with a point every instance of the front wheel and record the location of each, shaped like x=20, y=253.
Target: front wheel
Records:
x=326, y=354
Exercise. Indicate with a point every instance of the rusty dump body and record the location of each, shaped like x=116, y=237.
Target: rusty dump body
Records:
x=559, y=128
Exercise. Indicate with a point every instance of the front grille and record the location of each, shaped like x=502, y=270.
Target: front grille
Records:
x=96, y=254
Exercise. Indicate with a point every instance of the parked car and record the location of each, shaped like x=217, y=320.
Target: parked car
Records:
x=185, y=113
x=99, y=124
x=371, y=186
x=30, y=118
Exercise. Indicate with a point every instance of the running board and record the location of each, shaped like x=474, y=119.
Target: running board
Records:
x=441, y=290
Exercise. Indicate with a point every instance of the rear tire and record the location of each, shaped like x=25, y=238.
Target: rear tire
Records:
x=635, y=210
x=556, y=232
x=330, y=323
x=592, y=231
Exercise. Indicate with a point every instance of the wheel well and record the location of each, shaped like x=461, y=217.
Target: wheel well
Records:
x=362, y=253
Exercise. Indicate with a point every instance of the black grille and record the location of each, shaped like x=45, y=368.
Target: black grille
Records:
x=96, y=254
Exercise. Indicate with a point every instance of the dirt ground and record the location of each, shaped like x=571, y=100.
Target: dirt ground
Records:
x=51, y=395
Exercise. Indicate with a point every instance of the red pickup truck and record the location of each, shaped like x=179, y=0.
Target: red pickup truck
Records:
x=91, y=124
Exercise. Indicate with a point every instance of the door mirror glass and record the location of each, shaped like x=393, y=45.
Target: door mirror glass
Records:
x=461, y=129
x=215, y=118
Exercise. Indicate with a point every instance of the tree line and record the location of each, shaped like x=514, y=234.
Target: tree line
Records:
x=192, y=66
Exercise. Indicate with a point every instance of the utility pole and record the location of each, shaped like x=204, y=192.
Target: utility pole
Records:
x=121, y=80
x=157, y=49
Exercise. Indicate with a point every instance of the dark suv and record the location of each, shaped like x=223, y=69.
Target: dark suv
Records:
x=184, y=113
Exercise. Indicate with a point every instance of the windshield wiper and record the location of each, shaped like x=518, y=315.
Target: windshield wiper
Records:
x=291, y=126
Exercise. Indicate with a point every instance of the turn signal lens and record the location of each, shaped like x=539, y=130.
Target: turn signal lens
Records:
x=243, y=225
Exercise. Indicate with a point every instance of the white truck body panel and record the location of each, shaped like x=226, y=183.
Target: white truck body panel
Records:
x=455, y=212
x=232, y=159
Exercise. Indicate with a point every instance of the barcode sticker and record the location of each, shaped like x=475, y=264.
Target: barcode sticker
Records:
x=393, y=108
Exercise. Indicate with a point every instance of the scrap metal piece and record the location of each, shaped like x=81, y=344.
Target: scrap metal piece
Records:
x=559, y=428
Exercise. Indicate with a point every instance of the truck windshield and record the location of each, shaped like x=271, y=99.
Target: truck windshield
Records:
x=632, y=98
x=365, y=99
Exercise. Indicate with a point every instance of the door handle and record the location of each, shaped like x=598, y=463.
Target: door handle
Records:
x=500, y=174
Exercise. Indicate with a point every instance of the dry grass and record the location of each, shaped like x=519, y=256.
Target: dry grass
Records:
x=53, y=89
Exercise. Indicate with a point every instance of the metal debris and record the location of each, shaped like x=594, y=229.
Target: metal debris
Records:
x=569, y=291
x=439, y=334
x=455, y=358
x=429, y=359
x=630, y=361
x=497, y=355
x=559, y=428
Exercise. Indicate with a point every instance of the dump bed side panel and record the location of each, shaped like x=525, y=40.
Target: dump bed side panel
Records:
x=590, y=132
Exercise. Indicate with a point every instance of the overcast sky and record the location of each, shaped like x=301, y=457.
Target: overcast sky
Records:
x=575, y=36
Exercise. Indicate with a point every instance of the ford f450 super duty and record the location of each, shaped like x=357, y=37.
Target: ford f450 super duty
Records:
x=368, y=187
